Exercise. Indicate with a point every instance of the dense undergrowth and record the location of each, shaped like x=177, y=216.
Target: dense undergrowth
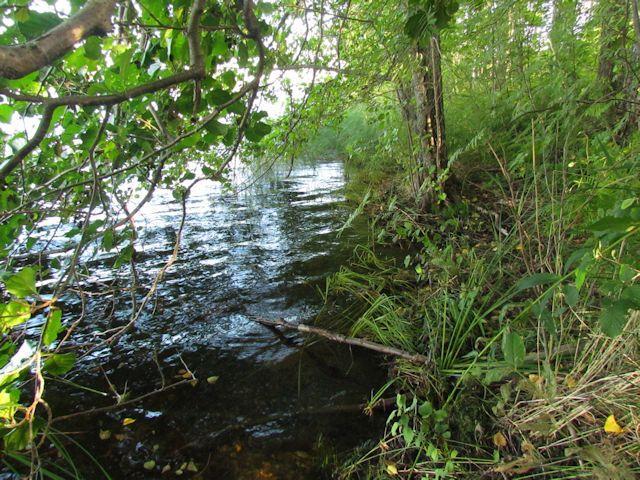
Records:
x=522, y=291
x=520, y=285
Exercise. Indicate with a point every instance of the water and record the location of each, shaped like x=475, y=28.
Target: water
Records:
x=277, y=406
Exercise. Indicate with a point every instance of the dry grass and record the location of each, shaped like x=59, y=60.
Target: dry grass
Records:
x=554, y=423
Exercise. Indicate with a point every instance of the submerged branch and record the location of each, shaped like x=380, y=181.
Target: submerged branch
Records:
x=336, y=337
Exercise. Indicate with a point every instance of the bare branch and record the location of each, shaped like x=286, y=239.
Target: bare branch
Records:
x=13, y=162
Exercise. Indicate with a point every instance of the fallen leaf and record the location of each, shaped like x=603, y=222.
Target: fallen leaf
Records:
x=213, y=379
x=392, y=469
x=105, y=434
x=611, y=426
x=536, y=379
x=527, y=447
x=191, y=467
x=166, y=468
x=128, y=421
x=499, y=440
x=149, y=465
x=570, y=381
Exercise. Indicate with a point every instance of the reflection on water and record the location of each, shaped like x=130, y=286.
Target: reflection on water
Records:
x=262, y=252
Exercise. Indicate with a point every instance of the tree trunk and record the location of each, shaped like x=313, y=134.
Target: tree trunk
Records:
x=612, y=20
x=562, y=34
x=428, y=122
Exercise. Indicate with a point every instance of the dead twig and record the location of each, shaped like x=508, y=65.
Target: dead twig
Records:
x=336, y=337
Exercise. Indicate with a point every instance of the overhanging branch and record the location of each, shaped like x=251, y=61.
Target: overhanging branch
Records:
x=16, y=61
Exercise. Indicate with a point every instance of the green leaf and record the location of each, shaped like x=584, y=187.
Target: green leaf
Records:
x=8, y=402
x=18, y=438
x=22, y=283
x=108, y=240
x=216, y=128
x=6, y=112
x=229, y=78
x=612, y=224
x=613, y=317
x=627, y=203
x=93, y=48
x=218, y=96
x=513, y=349
x=14, y=313
x=408, y=434
x=219, y=46
x=535, y=280
x=627, y=273
x=257, y=131
x=571, y=294
x=425, y=410
x=417, y=24
x=53, y=327
x=21, y=15
x=37, y=24
x=631, y=294
x=59, y=363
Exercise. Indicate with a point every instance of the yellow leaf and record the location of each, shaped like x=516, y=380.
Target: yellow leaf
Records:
x=499, y=440
x=392, y=469
x=128, y=421
x=611, y=426
x=105, y=434
x=536, y=379
x=570, y=381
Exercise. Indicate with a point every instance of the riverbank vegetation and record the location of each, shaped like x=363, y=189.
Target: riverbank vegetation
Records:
x=492, y=145
x=518, y=227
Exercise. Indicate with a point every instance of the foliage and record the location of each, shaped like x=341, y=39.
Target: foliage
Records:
x=518, y=249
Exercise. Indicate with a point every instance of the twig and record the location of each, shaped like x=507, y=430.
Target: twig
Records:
x=336, y=337
x=126, y=403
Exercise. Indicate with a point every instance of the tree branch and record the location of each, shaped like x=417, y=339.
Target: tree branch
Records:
x=16, y=61
x=336, y=337
x=42, y=130
x=196, y=72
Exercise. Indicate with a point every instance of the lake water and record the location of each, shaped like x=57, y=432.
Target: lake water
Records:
x=276, y=409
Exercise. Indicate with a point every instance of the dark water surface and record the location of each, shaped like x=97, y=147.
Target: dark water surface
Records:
x=277, y=406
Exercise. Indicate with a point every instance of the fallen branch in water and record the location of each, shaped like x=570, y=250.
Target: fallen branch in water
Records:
x=336, y=337
x=125, y=403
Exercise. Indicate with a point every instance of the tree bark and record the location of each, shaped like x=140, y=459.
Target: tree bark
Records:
x=16, y=61
x=429, y=129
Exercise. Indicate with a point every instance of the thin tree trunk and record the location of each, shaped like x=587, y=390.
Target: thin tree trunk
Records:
x=611, y=19
x=562, y=34
x=429, y=121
